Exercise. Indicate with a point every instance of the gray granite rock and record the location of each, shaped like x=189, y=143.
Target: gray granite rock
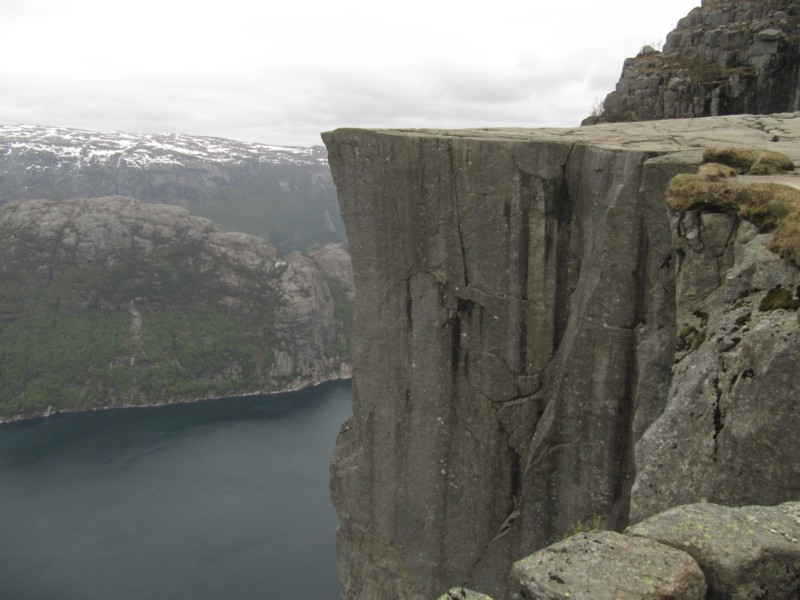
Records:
x=515, y=323
x=726, y=57
x=745, y=553
x=728, y=433
x=608, y=566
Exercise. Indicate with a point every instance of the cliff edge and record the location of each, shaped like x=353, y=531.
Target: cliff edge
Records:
x=523, y=350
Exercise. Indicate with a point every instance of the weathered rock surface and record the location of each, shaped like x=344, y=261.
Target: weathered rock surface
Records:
x=608, y=566
x=730, y=432
x=154, y=305
x=725, y=57
x=460, y=593
x=749, y=552
x=515, y=330
x=335, y=262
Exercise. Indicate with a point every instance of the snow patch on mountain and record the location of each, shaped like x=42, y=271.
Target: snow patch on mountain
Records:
x=62, y=147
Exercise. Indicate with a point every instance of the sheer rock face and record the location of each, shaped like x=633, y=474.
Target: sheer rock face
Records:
x=729, y=432
x=725, y=57
x=514, y=336
x=334, y=261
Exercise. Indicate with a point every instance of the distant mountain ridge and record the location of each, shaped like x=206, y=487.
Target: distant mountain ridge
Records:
x=81, y=148
x=284, y=194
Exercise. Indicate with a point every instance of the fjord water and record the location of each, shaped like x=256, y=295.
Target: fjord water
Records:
x=214, y=500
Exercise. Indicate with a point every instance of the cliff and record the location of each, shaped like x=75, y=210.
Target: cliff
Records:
x=725, y=57
x=114, y=302
x=540, y=341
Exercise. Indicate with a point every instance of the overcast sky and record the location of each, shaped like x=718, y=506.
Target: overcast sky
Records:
x=281, y=72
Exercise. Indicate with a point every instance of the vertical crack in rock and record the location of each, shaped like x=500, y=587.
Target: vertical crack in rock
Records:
x=525, y=201
x=560, y=239
x=718, y=424
x=625, y=436
x=456, y=203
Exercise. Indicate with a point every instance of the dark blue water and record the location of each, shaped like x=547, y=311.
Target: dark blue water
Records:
x=224, y=499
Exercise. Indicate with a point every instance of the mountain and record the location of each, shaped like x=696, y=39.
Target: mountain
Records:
x=283, y=194
x=725, y=57
x=114, y=302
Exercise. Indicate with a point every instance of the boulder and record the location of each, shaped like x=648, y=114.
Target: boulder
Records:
x=607, y=566
x=745, y=553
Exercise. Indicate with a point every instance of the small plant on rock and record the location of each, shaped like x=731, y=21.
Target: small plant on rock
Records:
x=591, y=526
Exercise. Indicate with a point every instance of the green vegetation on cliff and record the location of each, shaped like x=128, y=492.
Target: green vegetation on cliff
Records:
x=137, y=333
x=78, y=360
x=772, y=207
x=112, y=302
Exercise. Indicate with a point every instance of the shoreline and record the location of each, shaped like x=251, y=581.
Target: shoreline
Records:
x=51, y=413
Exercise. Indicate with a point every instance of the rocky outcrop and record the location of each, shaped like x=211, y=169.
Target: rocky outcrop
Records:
x=518, y=301
x=749, y=552
x=740, y=553
x=335, y=262
x=728, y=433
x=725, y=57
x=608, y=566
x=114, y=302
x=283, y=194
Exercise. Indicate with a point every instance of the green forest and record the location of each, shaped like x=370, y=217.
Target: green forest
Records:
x=133, y=332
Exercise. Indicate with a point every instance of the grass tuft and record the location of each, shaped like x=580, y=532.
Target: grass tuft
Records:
x=714, y=171
x=771, y=207
x=749, y=160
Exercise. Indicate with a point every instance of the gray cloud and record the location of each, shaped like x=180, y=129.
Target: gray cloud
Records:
x=254, y=81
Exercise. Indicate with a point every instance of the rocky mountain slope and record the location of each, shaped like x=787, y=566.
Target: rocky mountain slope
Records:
x=540, y=341
x=282, y=194
x=725, y=57
x=114, y=302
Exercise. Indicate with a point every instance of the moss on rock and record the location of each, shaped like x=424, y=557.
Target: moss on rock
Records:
x=714, y=171
x=777, y=298
x=771, y=207
x=750, y=160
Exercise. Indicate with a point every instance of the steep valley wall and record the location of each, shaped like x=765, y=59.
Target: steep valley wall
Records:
x=518, y=298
